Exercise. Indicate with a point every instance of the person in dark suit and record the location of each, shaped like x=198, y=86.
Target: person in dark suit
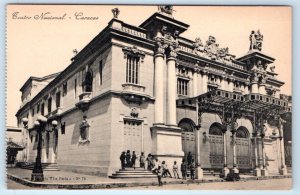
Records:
x=122, y=159
x=133, y=159
x=128, y=159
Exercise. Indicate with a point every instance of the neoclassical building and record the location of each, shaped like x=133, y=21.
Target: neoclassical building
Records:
x=148, y=89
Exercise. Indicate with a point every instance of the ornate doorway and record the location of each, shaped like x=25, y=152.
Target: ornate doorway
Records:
x=188, y=137
x=133, y=136
x=216, y=155
x=243, y=148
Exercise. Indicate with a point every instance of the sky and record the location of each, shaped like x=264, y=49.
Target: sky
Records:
x=39, y=47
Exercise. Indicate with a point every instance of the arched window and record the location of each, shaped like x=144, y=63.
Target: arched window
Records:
x=215, y=129
x=186, y=125
x=242, y=132
x=88, y=81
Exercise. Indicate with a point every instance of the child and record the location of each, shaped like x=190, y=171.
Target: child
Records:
x=175, y=170
x=159, y=175
x=193, y=169
x=166, y=171
x=142, y=160
x=183, y=169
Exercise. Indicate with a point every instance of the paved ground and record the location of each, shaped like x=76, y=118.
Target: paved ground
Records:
x=69, y=180
x=272, y=184
x=16, y=186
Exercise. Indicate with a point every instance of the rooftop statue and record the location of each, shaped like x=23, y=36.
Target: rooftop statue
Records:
x=256, y=39
x=168, y=9
x=115, y=12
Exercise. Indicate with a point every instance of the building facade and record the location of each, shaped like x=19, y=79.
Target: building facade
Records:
x=148, y=89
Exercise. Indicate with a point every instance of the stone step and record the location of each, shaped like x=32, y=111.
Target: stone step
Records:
x=117, y=176
x=133, y=173
x=46, y=166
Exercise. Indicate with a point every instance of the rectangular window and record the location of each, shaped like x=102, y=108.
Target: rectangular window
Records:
x=65, y=88
x=182, y=86
x=50, y=105
x=43, y=109
x=75, y=88
x=100, y=72
x=38, y=108
x=57, y=99
x=32, y=112
x=132, y=69
x=63, y=128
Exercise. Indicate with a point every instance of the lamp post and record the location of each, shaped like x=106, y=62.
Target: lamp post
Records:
x=37, y=172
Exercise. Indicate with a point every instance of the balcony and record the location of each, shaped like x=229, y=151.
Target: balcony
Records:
x=55, y=113
x=212, y=83
x=134, y=93
x=237, y=90
x=84, y=101
x=133, y=88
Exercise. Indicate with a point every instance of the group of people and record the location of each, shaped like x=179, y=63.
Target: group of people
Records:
x=160, y=168
x=129, y=160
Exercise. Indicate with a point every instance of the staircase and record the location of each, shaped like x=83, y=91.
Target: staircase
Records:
x=46, y=166
x=132, y=173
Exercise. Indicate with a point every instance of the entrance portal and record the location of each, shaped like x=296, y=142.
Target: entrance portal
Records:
x=243, y=148
x=216, y=156
x=133, y=136
x=188, y=137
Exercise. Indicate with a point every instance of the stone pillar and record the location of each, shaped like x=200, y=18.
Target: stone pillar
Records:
x=225, y=170
x=235, y=169
x=283, y=169
x=204, y=81
x=158, y=86
x=264, y=171
x=171, y=89
x=199, y=170
x=195, y=83
x=231, y=84
x=223, y=83
x=262, y=89
x=256, y=171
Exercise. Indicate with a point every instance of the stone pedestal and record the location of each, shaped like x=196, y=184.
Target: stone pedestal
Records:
x=199, y=173
x=257, y=172
x=264, y=172
x=167, y=144
x=283, y=171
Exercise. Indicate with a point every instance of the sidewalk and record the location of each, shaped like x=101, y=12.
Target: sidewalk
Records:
x=70, y=180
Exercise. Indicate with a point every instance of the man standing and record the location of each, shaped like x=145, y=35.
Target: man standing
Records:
x=122, y=159
x=183, y=169
x=128, y=157
x=133, y=159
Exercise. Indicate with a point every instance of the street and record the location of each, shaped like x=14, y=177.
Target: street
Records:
x=271, y=184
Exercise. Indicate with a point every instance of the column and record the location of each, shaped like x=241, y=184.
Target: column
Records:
x=256, y=171
x=235, y=169
x=254, y=83
x=171, y=89
x=225, y=170
x=204, y=81
x=195, y=83
x=264, y=171
x=262, y=89
x=199, y=170
x=231, y=84
x=158, y=86
x=283, y=170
